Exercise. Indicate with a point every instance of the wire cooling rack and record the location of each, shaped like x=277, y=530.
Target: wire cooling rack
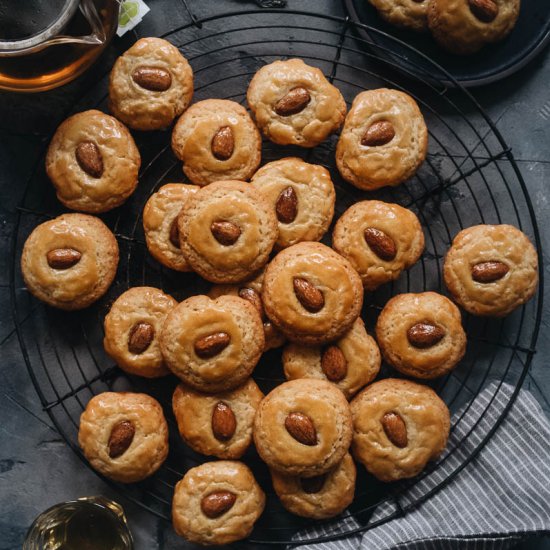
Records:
x=469, y=177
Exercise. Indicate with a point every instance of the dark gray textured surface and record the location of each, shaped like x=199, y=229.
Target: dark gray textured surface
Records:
x=37, y=469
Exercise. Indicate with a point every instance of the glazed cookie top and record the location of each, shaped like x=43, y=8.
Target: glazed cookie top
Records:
x=212, y=345
x=217, y=140
x=93, y=162
x=218, y=425
x=399, y=426
x=312, y=293
x=217, y=503
x=465, y=26
x=320, y=497
x=303, y=427
x=124, y=435
x=252, y=291
x=227, y=231
x=421, y=334
x=491, y=269
x=384, y=139
x=150, y=85
x=294, y=103
x=70, y=261
x=379, y=239
x=132, y=329
x=160, y=224
x=302, y=196
x=409, y=14
x=350, y=363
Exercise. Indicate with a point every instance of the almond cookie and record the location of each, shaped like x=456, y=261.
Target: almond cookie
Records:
x=350, y=363
x=398, y=427
x=384, y=140
x=490, y=270
x=320, y=497
x=70, y=262
x=311, y=294
x=150, y=85
x=93, y=162
x=303, y=428
x=218, y=425
x=217, y=140
x=421, y=335
x=406, y=14
x=294, y=104
x=212, y=345
x=132, y=329
x=465, y=26
x=379, y=239
x=217, y=503
x=227, y=231
x=124, y=436
x=160, y=224
x=252, y=291
x=302, y=196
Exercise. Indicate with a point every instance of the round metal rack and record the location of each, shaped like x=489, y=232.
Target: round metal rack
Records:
x=469, y=177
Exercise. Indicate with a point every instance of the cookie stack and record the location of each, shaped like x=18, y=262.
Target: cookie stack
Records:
x=460, y=26
x=274, y=284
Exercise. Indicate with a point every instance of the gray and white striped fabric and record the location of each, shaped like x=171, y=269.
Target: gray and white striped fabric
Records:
x=502, y=496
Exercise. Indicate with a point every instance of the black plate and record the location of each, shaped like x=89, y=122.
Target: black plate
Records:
x=494, y=62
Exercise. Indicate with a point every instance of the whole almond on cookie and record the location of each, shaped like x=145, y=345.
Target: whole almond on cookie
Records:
x=224, y=422
x=380, y=243
x=286, y=206
x=218, y=503
x=209, y=346
x=395, y=429
x=301, y=428
x=334, y=364
x=226, y=233
x=140, y=337
x=378, y=134
x=425, y=335
x=489, y=272
x=308, y=295
x=485, y=10
x=89, y=158
x=153, y=79
x=121, y=438
x=63, y=258
x=295, y=101
x=223, y=143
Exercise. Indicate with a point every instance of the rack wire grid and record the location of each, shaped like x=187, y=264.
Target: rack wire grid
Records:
x=469, y=177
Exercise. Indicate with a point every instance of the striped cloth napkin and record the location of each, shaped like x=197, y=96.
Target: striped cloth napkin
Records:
x=501, y=497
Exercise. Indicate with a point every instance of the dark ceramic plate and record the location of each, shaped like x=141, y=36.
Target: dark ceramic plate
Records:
x=494, y=62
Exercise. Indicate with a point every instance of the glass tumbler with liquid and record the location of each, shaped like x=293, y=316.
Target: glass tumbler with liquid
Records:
x=47, y=43
x=90, y=523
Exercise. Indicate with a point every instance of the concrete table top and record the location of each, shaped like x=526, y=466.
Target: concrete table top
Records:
x=37, y=468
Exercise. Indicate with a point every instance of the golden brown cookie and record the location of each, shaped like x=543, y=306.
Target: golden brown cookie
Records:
x=70, y=262
x=320, y=497
x=490, y=270
x=93, y=162
x=124, y=436
x=421, y=335
x=350, y=363
x=252, y=291
x=150, y=85
x=227, y=231
x=160, y=224
x=303, y=427
x=217, y=425
x=212, y=345
x=465, y=26
x=217, y=140
x=379, y=239
x=294, y=104
x=398, y=427
x=132, y=328
x=384, y=139
x=217, y=503
x=311, y=294
x=302, y=196
x=407, y=14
